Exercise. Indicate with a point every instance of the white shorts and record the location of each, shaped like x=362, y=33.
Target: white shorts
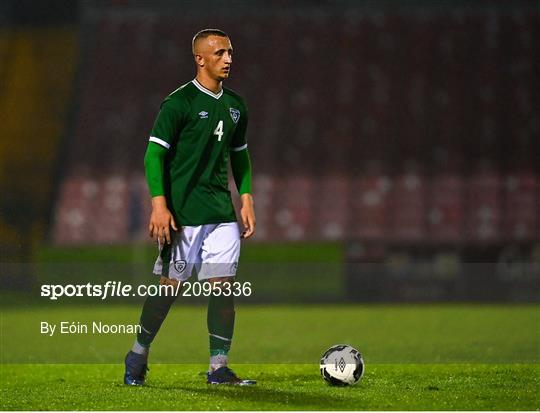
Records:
x=212, y=250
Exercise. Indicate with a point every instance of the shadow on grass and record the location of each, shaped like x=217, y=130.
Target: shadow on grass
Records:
x=273, y=399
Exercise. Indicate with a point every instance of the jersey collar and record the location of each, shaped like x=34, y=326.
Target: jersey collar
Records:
x=205, y=90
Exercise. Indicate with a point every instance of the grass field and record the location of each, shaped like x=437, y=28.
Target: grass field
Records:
x=281, y=387
x=418, y=357
x=434, y=357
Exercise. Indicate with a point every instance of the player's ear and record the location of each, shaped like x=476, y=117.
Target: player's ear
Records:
x=199, y=60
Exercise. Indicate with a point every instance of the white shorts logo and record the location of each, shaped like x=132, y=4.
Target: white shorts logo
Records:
x=180, y=265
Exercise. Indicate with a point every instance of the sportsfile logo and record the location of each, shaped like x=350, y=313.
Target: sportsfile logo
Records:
x=117, y=289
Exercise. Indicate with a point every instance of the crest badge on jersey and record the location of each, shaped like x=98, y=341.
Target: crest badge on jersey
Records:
x=235, y=114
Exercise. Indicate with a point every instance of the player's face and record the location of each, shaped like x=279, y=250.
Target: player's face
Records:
x=216, y=53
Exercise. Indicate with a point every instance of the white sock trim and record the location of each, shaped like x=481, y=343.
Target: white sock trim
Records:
x=221, y=338
x=218, y=361
x=140, y=349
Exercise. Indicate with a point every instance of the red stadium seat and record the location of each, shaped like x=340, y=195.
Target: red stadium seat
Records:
x=110, y=219
x=331, y=201
x=445, y=213
x=77, y=202
x=408, y=206
x=447, y=89
x=522, y=207
x=484, y=207
x=265, y=189
x=293, y=216
x=370, y=206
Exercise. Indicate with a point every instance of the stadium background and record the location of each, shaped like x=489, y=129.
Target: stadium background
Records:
x=396, y=173
x=392, y=142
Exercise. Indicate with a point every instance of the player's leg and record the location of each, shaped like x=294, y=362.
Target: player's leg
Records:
x=154, y=311
x=220, y=254
x=174, y=265
x=220, y=320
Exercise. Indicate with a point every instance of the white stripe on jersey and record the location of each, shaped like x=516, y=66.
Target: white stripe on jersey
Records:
x=159, y=141
x=239, y=148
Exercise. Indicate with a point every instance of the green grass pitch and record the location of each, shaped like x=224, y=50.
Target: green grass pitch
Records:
x=281, y=387
x=418, y=357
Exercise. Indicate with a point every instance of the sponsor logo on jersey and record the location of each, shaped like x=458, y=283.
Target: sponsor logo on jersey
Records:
x=180, y=265
x=203, y=114
x=235, y=114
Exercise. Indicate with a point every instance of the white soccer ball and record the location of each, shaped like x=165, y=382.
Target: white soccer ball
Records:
x=342, y=365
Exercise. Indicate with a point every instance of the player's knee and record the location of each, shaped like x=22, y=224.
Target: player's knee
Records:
x=222, y=288
x=227, y=315
x=221, y=280
x=168, y=281
x=172, y=286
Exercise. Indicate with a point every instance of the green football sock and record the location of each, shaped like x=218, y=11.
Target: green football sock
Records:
x=154, y=311
x=220, y=322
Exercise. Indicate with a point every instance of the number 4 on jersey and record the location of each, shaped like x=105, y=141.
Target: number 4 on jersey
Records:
x=219, y=130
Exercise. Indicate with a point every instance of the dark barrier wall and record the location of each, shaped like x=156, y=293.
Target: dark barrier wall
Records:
x=409, y=273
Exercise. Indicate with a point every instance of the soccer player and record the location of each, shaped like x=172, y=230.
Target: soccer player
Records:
x=200, y=126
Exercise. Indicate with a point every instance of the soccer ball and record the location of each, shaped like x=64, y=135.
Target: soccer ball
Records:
x=342, y=365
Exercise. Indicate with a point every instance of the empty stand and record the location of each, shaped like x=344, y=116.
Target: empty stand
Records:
x=331, y=205
x=370, y=207
x=484, y=206
x=292, y=214
x=445, y=213
x=522, y=207
x=375, y=124
x=408, y=206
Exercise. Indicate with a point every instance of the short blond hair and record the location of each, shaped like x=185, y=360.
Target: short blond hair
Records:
x=203, y=34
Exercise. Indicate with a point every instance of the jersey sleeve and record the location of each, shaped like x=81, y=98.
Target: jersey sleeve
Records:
x=169, y=123
x=241, y=169
x=239, y=141
x=153, y=167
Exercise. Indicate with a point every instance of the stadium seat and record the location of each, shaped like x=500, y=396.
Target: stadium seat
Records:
x=445, y=211
x=484, y=206
x=111, y=218
x=408, y=206
x=264, y=187
x=370, y=206
x=293, y=215
x=522, y=206
x=331, y=203
x=448, y=89
x=77, y=202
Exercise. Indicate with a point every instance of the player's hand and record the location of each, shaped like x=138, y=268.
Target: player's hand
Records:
x=247, y=212
x=161, y=221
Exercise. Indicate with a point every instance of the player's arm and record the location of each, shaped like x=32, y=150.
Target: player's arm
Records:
x=241, y=169
x=166, y=129
x=161, y=218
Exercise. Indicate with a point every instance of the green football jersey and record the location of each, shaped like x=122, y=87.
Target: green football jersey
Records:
x=199, y=128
